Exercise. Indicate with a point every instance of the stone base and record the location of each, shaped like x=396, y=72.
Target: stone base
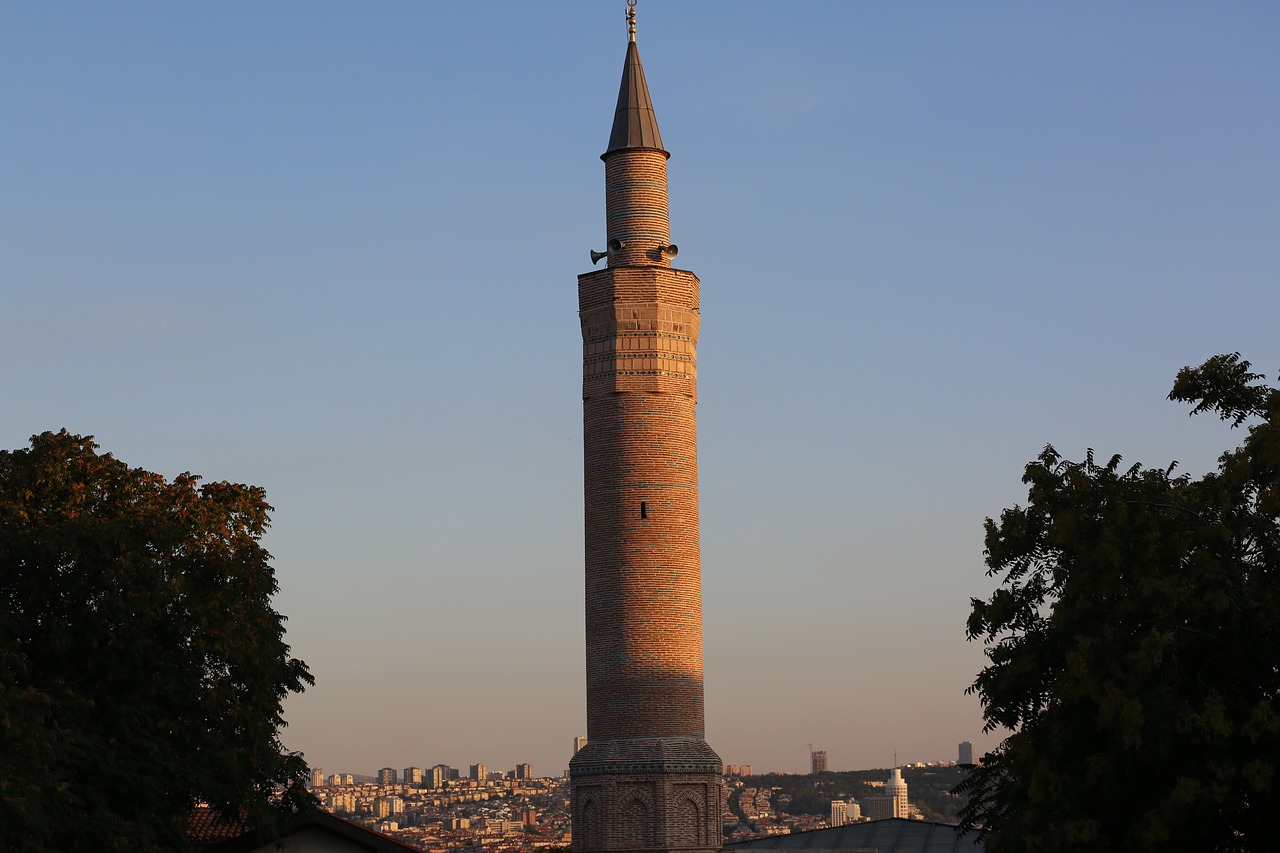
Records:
x=646, y=794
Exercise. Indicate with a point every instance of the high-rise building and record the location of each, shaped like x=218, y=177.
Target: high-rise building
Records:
x=436, y=776
x=578, y=743
x=817, y=761
x=412, y=776
x=744, y=770
x=478, y=772
x=335, y=779
x=966, y=753
x=878, y=808
x=896, y=788
x=646, y=778
x=524, y=772
x=839, y=813
x=387, y=806
x=317, y=777
x=348, y=779
x=387, y=776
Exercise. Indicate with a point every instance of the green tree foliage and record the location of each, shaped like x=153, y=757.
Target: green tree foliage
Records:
x=1134, y=647
x=930, y=789
x=142, y=667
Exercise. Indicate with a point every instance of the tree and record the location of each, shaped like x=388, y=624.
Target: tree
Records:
x=142, y=667
x=1134, y=647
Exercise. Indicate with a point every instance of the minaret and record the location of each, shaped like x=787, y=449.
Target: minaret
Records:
x=646, y=780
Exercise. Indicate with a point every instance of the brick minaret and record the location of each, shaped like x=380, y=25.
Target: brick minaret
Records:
x=646, y=779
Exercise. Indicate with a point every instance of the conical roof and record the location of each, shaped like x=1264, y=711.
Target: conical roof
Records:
x=634, y=122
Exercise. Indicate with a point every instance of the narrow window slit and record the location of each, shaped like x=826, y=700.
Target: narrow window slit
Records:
x=644, y=509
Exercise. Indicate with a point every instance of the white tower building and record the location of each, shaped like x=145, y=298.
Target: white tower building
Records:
x=896, y=787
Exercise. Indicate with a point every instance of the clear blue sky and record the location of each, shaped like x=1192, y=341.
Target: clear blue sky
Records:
x=330, y=249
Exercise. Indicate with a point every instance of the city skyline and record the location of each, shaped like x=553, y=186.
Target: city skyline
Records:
x=331, y=252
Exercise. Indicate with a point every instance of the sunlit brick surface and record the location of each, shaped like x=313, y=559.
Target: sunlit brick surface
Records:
x=646, y=776
x=639, y=331
x=644, y=600
x=635, y=183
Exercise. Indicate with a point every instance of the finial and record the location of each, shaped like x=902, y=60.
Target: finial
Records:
x=631, y=20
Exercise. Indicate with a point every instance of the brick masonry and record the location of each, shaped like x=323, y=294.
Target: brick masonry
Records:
x=646, y=780
x=635, y=187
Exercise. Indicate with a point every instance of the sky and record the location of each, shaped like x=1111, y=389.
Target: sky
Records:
x=330, y=249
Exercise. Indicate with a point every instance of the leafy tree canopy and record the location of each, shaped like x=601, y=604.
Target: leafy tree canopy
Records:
x=1134, y=647
x=142, y=667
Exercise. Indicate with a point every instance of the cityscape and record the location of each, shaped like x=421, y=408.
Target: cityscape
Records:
x=442, y=808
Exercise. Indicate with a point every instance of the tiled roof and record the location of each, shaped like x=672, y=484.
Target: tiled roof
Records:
x=894, y=835
x=207, y=826
x=207, y=831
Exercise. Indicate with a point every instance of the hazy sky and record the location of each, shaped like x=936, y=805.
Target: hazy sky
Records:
x=330, y=248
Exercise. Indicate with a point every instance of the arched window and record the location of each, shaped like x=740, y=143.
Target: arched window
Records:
x=586, y=832
x=686, y=829
x=636, y=826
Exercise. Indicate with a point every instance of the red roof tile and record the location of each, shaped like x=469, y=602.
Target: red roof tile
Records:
x=208, y=826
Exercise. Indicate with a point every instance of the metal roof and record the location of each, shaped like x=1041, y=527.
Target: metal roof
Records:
x=634, y=122
x=894, y=835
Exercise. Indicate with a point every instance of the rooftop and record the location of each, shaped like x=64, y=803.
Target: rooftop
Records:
x=894, y=835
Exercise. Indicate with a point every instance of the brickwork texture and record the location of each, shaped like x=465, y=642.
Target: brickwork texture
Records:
x=646, y=780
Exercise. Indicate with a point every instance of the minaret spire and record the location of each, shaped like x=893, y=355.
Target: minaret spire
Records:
x=634, y=123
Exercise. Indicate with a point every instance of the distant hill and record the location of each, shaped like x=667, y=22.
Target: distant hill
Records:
x=928, y=789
